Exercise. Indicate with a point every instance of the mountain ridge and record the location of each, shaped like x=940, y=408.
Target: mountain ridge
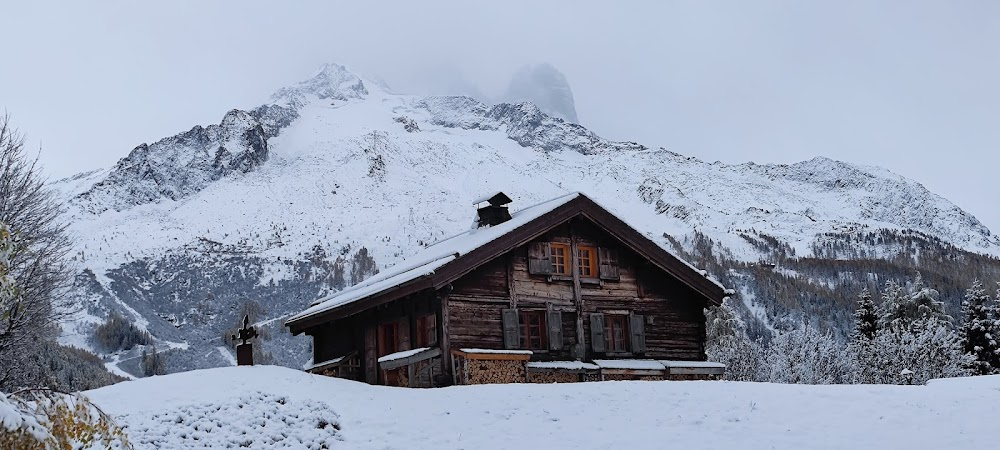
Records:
x=336, y=177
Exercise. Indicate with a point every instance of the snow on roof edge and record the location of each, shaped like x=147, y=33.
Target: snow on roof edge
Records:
x=443, y=252
x=701, y=272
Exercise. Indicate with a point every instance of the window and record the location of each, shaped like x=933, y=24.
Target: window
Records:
x=533, y=330
x=587, y=261
x=560, y=257
x=388, y=338
x=426, y=330
x=616, y=332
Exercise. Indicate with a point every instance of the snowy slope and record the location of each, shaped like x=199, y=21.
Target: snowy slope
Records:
x=181, y=230
x=323, y=165
x=284, y=408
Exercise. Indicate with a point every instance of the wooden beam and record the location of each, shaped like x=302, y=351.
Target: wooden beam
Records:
x=580, y=349
x=510, y=281
x=444, y=336
x=493, y=356
x=422, y=356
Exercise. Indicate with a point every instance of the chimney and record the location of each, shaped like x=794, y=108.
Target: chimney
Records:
x=495, y=212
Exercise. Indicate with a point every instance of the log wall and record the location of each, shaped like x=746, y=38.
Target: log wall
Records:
x=675, y=322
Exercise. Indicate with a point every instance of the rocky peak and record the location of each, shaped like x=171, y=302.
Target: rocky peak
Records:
x=546, y=87
x=180, y=165
x=331, y=81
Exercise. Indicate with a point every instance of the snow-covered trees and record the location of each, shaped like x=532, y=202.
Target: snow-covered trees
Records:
x=912, y=333
x=979, y=330
x=907, y=331
x=35, y=264
x=865, y=317
x=153, y=363
x=728, y=343
x=806, y=356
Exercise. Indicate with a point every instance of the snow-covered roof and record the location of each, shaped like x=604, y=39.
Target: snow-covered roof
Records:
x=402, y=354
x=629, y=364
x=695, y=364
x=428, y=260
x=568, y=365
x=491, y=351
x=310, y=365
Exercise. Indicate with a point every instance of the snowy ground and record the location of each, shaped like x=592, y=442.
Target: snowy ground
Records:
x=272, y=407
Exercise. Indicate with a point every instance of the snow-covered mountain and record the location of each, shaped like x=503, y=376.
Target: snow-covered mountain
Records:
x=280, y=203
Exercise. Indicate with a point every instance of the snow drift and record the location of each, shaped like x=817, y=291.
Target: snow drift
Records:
x=272, y=407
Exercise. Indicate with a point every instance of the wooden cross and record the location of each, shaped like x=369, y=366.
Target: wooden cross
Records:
x=247, y=332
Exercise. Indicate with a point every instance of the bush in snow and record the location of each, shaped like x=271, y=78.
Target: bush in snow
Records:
x=409, y=124
x=727, y=342
x=43, y=419
x=806, y=356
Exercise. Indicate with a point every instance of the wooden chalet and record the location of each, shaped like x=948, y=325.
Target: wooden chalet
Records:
x=560, y=291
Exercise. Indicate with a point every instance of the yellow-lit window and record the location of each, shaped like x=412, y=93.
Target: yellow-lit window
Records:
x=560, y=257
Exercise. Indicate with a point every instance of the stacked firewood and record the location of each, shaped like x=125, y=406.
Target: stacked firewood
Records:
x=553, y=377
x=490, y=372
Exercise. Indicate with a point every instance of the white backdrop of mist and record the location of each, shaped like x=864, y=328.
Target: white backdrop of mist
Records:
x=911, y=86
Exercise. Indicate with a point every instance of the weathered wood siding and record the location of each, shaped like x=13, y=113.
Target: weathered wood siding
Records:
x=358, y=332
x=674, y=317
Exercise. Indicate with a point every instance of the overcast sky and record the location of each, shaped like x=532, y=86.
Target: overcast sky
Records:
x=908, y=85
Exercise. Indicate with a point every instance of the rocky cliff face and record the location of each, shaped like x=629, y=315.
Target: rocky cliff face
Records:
x=546, y=87
x=181, y=165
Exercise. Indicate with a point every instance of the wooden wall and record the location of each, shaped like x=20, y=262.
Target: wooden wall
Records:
x=358, y=332
x=675, y=322
x=472, y=315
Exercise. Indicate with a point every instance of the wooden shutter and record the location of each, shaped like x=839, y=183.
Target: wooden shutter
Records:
x=371, y=360
x=637, y=326
x=554, y=321
x=511, y=332
x=597, y=340
x=539, y=258
x=608, y=260
x=403, y=338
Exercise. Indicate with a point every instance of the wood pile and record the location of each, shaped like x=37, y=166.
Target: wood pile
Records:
x=631, y=377
x=492, y=372
x=553, y=377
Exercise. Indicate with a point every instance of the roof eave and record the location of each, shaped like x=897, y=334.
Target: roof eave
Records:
x=300, y=325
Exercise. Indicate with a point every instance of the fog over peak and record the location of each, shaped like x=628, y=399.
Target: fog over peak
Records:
x=546, y=87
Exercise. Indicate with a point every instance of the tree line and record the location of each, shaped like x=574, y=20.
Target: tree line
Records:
x=903, y=337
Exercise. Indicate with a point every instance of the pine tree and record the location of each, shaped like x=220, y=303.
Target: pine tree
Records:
x=977, y=331
x=861, y=347
x=891, y=310
x=865, y=317
x=915, y=335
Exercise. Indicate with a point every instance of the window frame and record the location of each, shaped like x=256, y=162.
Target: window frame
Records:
x=426, y=330
x=383, y=339
x=592, y=259
x=566, y=257
x=525, y=329
x=611, y=343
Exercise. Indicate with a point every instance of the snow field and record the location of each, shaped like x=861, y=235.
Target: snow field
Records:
x=256, y=420
x=951, y=414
